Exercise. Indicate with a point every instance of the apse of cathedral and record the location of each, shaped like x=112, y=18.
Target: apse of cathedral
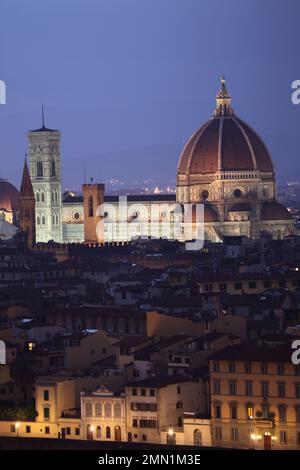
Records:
x=224, y=166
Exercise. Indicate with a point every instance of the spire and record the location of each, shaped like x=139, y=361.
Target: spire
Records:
x=223, y=99
x=26, y=189
x=43, y=117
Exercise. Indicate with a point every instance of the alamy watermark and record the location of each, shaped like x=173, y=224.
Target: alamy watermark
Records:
x=183, y=222
x=295, y=96
x=2, y=92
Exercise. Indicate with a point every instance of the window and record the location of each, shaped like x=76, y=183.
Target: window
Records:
x=231, y=367
x=264, y=368
x=107, y=408
x=297, y=390
x=90, y=207
x=12, y=428
x=217, y=387
x=117, y=410
x=77, y=431
x=232, y=387
x=88, y=409
x=281, y=389
x=248, y=368
x=47, y=430
x=250, y=411
x=134, y=392
x=37, y=196
x=283, y=437
x=218, y=433
x=143, y=392
x=144, y=437
x=28, y=429
x=252, y=285
x=178, y=390
x=238, y=285
x=42, y=196
x=280, y=369
x=152, y=392
x=179, y=405
x=282, y=413
x=233, y=412
x=46, y=413
x=53, y=169
x=68, y=431
x=98, y=409
x=233, y=434
x=39, y=169
x=218, y=413
x=265, y=389
x=249, y=388
x=197, y=437
x=108, y=433
x=134, y=423
x=297, y=411
x=216, y=367
x=98, y=431
x=46, y=395
x=43, y=220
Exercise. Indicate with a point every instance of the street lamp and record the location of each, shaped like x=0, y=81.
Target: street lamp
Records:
x=17, y=425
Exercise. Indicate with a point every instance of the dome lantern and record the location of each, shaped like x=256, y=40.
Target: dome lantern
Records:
x=223, y=100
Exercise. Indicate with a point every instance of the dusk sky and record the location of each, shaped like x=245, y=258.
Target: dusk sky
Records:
x=128, y=81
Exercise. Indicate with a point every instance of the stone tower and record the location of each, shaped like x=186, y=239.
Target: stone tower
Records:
x=27, y=207
x=93, y=197
x=45, y=174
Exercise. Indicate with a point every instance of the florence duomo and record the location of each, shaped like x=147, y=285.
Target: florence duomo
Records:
x=224, y=165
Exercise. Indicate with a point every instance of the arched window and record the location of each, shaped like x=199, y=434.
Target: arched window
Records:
x=38, y=220
x=43, y=220
x=117, y=410
x=98, y=431
x=90, y=206
x=53, y=219
x=108, y=433
x=98, y=409
x=88, y=409
x=39, y=169
x=37, y=196
x=53, y=169
x=197, y=437
x=42, y=196
x=107, y=409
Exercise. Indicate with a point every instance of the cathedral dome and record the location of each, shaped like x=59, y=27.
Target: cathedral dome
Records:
x=224, y=143
x=275, y=211
x=9, y=196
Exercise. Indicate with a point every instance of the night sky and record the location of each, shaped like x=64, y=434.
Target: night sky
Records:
x=128, y=81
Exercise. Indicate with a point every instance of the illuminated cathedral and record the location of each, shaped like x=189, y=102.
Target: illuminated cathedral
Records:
x=225, y=166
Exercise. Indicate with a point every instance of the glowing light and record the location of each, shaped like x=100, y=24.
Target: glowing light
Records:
x=170, y=432
x=17, y=425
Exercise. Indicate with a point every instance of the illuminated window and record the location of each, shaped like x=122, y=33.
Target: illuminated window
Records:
x=250, y=412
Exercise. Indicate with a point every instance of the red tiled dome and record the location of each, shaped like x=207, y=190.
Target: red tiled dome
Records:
x=275, y=211
x=226, y=143
x=9, y=196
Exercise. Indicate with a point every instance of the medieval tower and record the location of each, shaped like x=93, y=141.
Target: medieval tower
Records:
x=93, y=197
x=44, y=159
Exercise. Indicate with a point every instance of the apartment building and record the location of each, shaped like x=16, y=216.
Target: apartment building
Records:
x=255, y=397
